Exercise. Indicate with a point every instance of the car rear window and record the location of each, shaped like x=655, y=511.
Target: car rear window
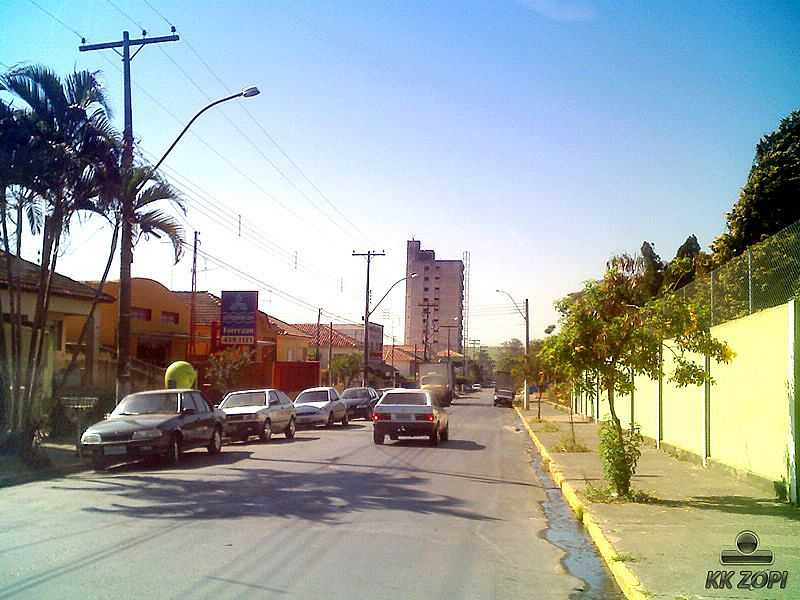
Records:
x=356, y=393
x=312, y=396
x=405, y=398
x=244, y=399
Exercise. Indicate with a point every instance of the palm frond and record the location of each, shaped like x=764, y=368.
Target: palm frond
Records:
x=158, y=223
x=84, y=89
x=40, y=88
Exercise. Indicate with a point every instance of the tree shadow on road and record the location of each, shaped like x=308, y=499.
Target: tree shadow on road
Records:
x=736, y=505
x=327, y=494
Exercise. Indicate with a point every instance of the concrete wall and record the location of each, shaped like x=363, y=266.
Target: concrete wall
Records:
x=749, y=416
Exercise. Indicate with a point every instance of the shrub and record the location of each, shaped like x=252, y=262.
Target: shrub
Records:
x=620, y=451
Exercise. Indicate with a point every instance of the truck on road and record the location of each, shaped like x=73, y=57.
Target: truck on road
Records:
x=503, y=388
x=439, y=379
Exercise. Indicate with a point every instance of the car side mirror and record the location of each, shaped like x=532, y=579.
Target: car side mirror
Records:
x=188, y=411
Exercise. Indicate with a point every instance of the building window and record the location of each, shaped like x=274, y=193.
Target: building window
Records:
x=141, y=314
x=425, y=300
x=170, y=317
x=436, y=289
x=424, y=289
x=427, y=278
x=427, y=267
x=438, y=266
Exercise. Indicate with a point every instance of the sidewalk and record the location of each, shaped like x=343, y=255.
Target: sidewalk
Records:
x=62, y=458
x=671, y=543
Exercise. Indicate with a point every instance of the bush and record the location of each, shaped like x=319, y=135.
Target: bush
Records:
x=567, y=444
x=620, y=457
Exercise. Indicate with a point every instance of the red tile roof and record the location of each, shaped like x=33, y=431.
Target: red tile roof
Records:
x=401, y=353
x=340, y=340
x=207, y=306
x=27, y=275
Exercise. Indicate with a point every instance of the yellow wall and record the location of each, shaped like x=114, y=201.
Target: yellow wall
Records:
x=646, y=406
x=683, y=408
x=299, y=347
x=750, y=400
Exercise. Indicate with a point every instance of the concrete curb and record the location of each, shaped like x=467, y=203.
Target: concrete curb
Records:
x=626, y=579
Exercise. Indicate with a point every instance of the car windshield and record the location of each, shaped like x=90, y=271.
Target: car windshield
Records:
x=239, y=399
x=405, y=398
x=143, y=404
x=356, y=393
x=312, y=396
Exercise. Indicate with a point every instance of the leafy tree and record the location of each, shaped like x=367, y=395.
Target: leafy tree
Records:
x=653, y=275
x=613, y=329
x=768, y=201
x=510, y=351
x=345, y=367
x=225, y=367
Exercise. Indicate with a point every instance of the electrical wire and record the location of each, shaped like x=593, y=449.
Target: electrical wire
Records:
x=55, y=18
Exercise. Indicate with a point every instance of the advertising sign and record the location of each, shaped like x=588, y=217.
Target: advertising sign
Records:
x=239, y=311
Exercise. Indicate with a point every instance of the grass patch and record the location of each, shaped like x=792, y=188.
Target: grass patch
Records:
x=604, y=494
x=550, y=427
x=624, y=557
x=567, y=444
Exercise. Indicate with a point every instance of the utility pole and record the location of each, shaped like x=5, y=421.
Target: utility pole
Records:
x=426, y=306
x=394, y=373
x=193, y=311
x=369, y=254
x=319, y=359
x=526, y=397
x=126, y=238
x=330, y=354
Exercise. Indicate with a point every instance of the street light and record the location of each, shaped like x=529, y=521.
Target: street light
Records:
x=367, y=313
x=526, y=399
x=126, y=256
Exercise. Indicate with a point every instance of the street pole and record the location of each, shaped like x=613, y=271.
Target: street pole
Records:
x=126, y=235
x=526, y=402
x=193, y=311
x=330, y=353
x=394, y=373
x=319, y=378
x=369, y=254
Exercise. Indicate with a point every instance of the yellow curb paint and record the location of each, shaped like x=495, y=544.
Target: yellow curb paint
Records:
x=626, y=579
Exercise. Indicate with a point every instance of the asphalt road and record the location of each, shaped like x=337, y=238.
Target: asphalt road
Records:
x=327, y=515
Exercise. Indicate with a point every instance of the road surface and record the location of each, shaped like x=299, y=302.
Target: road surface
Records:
x=329, y=515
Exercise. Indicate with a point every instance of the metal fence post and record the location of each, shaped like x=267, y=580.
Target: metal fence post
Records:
x=712, y=296
x=749, y=281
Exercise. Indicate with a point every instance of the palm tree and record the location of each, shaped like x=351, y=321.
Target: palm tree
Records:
x=64, y=126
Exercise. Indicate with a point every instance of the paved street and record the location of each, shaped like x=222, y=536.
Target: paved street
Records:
x=328, y=515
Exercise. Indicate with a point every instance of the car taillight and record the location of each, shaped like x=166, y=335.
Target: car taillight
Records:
x=424, y=418
x=380, y=417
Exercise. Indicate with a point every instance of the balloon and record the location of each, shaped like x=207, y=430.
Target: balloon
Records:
x=180, y=374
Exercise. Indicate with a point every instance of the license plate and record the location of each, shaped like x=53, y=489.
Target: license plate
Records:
x=398, y=417
x=114, y=450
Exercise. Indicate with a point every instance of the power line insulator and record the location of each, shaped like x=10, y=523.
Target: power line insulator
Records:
x=172, y=28
x=144, y=32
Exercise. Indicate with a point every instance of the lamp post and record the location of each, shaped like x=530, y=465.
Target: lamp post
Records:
x=126, y=256
x=526, y=398
x=367, y=313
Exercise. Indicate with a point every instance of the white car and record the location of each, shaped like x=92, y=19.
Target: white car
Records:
x=409, y=413
x=320, y=406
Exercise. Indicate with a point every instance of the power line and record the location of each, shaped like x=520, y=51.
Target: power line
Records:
x=55, y=18
x=158, y=12
x=127, y=16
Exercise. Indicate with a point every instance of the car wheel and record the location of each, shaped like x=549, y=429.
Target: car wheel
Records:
x=435, y=437
x=174, y=451
x=378, y=438
x=215, y=445
x=290, y=429
x=99, y=463
x=330, y=419
x=345, y=419
x=266, y=431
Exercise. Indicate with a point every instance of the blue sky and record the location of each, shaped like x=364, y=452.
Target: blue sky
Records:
x=542, y=136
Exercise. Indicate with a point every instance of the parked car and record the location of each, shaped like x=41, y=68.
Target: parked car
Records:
x=409, y=413
x=320, y=406
x=159, y=423
x=360, y=401
x=476, y=387
x=258, y=412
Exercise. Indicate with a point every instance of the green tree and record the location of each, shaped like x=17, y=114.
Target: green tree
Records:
x=508, y=354
x=768, y=200
x=345, y=367
x=614, y=330
x=225, y=368
x=51, y=146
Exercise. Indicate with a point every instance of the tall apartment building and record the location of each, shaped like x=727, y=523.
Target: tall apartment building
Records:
x=435, y=297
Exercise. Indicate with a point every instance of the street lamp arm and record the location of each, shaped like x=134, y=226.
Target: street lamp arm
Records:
x=374, y=308
x=248, y=92
x=514, y=302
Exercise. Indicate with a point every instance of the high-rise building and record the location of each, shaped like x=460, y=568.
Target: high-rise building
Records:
x=434, y=300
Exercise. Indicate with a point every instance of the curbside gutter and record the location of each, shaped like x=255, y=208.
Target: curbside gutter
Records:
x=626, y=579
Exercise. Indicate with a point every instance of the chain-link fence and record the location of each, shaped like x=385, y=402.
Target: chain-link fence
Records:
x=766, y=275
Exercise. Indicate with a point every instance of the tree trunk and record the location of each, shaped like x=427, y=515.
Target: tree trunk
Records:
x=74, y=359
x=124, y=327
x=625, y=486
x=12, y=350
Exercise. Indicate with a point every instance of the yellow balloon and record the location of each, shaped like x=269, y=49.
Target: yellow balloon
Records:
x=180, y=374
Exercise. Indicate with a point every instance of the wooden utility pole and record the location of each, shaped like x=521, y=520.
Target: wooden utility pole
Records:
x=192, y=351
x=426, y=306
x=126, y=237
x=369, y=254
x=330, y=353
x=318, y=357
